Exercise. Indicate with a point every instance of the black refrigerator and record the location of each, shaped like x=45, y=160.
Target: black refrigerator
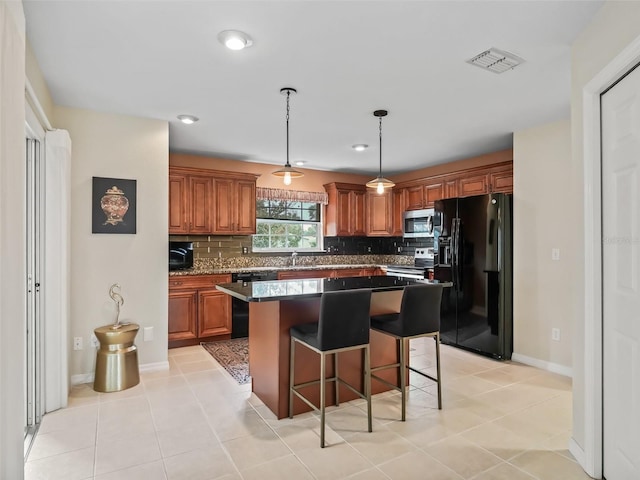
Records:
x=474, y=246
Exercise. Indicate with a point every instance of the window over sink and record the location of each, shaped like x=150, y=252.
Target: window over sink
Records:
x=287, y=225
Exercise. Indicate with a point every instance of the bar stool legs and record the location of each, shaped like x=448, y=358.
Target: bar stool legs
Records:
x=403, y=348
x=293, y=388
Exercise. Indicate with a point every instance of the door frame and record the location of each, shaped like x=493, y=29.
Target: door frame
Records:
x=589, y=455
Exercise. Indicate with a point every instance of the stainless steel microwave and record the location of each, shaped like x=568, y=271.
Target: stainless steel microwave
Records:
x=419, y=223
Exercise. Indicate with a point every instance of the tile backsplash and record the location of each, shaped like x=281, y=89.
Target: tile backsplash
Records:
x=232, y=246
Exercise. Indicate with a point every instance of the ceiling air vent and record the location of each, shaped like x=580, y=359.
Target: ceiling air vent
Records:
x=497, y=61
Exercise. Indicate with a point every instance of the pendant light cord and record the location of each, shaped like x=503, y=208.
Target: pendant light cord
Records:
x=380, y=129
x=288, y=95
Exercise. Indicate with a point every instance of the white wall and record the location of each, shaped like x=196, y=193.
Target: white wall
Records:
x=117, y=146
x=12, y=239
x=615, y=26
x=543, y=213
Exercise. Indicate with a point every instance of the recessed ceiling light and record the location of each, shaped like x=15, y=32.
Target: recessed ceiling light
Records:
x=300, y=163
x=235, y=39
x=188, y=119
x=360, y=147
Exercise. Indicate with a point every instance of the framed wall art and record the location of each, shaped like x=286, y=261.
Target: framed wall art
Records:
x=113, y=205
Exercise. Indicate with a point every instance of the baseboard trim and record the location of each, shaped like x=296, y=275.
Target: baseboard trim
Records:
x=82, y=378
x=154, y=367
x=145, y=368
x=577, y=452
x=549, y=366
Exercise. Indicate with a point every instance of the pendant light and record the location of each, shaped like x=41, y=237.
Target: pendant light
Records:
x=380, y=183
x=288, y=172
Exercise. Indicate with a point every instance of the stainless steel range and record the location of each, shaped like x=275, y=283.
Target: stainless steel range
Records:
x=423, y=261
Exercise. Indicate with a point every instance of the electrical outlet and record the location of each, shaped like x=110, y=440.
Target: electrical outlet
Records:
x=77, y=343
x=245, y=250
x=555, y=254
x=555, y=334
x=94, y=341
x=368, y=249
x=147, y=334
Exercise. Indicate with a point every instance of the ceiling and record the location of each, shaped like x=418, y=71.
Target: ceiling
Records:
x=345, y=58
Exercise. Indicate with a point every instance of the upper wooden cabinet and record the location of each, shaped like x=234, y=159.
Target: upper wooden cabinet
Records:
x=235, y=206
x=211, y=202
x=179, y=208
x=414, y=197
x=422, y=193
x=190, y=203
x=432, y=192
x=398, y=208
x=345, y=212
x=379, y=208
x=501, y=180
x=473, y=185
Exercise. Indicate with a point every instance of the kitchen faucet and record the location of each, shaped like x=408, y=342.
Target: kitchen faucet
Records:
x=294, y=255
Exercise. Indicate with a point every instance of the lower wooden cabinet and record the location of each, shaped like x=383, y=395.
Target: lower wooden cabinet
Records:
x=197, y=310
x=182, y=315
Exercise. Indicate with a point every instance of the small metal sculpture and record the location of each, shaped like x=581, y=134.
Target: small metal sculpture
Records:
x=117, y=298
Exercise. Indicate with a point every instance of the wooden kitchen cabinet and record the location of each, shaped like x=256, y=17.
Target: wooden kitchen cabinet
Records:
x=190, y=203
x=182, y=315
x=345, y=213
x=433, y=192
x=179, y=208
x=235, y=206
x=379, y=210
x=204, y=202
x=200, y=203
x=450, y=188
x=398, y=208
x=214, y=313
x=197, y=310
x=422, y=193
x=473, y=185
x=414, y=197
x=501, y=181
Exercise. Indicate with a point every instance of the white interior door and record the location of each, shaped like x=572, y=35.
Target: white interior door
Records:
x=620, y=282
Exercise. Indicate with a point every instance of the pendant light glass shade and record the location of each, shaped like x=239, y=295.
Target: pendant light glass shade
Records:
x=287, y=172
x=380, y=183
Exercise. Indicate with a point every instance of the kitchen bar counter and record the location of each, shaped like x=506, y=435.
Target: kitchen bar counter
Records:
x=272, y=290
x=276, y=306
x=217, y=271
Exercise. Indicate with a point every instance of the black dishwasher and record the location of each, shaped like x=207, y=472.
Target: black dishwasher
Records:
x=240, y=308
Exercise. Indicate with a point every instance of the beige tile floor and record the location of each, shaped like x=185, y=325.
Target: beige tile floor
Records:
x=501, y=420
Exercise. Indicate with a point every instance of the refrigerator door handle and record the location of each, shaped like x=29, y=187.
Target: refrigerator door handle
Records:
x=455, y=250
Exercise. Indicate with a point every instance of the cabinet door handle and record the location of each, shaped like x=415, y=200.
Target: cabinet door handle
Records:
x=176, y=283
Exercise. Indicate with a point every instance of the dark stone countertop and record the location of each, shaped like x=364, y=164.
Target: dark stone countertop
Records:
x=274, y=290
x=218, y=271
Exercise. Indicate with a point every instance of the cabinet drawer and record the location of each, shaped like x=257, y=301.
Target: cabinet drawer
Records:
x=197, y=281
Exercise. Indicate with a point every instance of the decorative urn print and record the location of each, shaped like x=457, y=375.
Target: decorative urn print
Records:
x=114, y=205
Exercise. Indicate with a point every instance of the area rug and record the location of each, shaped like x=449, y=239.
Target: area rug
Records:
x=233, y=355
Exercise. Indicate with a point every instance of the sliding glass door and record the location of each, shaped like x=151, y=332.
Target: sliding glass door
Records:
x=34, y=344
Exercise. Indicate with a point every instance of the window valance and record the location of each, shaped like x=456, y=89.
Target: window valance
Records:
x=263, y=193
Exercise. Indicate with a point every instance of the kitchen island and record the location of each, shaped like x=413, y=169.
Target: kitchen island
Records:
x=275, y=306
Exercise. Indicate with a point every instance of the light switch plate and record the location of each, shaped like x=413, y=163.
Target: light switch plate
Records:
x=555, y=254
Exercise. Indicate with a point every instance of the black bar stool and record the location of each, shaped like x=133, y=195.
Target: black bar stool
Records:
x=419, y=317
x=343, y=324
